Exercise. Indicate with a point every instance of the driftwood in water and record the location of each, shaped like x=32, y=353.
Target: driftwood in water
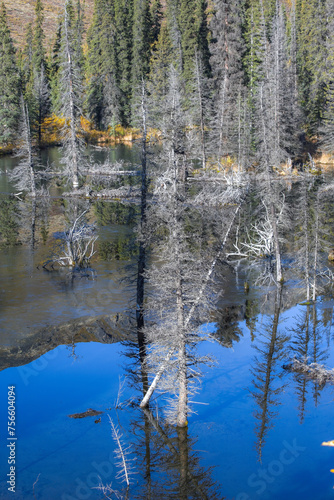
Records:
x=313, y=371
x=88, y=413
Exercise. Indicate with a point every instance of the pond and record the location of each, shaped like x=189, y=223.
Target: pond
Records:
x=66, y=350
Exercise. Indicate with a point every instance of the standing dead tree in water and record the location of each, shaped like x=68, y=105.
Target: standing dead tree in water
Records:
x=70, y=103
x=257, y=235
x=181, y=276
x=23, y=175
x=76, y=245
x=173, y=277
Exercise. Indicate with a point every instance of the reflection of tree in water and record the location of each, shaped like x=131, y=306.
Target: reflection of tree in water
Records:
x=251, y=313
x=20, y=220
x=9, y=217
x=327, y=321
x=115, y=213
x=227, y=320
x=34, y=218
x=123, y=248
x=165, y=456
x=267, y=372
x=306, y=345
x=167, y=462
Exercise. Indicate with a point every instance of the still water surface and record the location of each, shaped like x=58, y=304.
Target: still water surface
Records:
x=257, y=430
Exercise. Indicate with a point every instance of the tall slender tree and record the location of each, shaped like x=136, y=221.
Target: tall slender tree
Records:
x=38, y=53
x=311, y=38
x=70, y=100
x=227, y=48
x=327, y=125
x=9, y=83
x=141, y=48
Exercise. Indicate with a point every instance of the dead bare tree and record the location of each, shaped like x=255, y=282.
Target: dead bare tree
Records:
x=23, y=175
x=76, y=245
x=70, y=105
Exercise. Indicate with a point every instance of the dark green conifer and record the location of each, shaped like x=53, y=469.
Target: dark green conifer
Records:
x=311, y=59
x=189, y=36
x=192, y=21
x=124, y=34
x=54, y=65
x=156, y=20
x=38, y=51
x=141, y=42
x=161, y=61
x=9, y=83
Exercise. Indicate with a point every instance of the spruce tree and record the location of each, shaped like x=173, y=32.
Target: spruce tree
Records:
x=141, y=49
x=54, y=66
x=109, y=63
x=162, y=58
x=27, y=55
x=193, y=25
x=38, y=53
x=124, y=34
x=156, y=16
x=9, y=83
x=311, y=38
x=203, y=35
x=187, y=24
x=327, y=126
x=227, y=50
x=37, y=84
x=94, y=100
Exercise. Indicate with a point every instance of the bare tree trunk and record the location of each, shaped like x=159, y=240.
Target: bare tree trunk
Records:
x=29, y=149
x=72, y=111
x=165, y=364
x=142, y=250
x=182, y=439
x=201, y=107
x=316, y=249
x=307, y=245
x=270, y=191
x=279, y=275
x=222, y=117
x=182, y=405
x=181, y=432
x=33, y=224
x=182, y=363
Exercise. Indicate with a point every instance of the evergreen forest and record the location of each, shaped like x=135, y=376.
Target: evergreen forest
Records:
x=254, y=77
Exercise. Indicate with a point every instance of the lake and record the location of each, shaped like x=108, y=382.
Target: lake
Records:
x=67, y=346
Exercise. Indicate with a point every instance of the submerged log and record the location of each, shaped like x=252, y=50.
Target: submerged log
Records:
x=88, y=413
x=313, y=371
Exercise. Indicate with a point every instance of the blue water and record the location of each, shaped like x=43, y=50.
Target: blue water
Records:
x=257, y=429
x=67, y=455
